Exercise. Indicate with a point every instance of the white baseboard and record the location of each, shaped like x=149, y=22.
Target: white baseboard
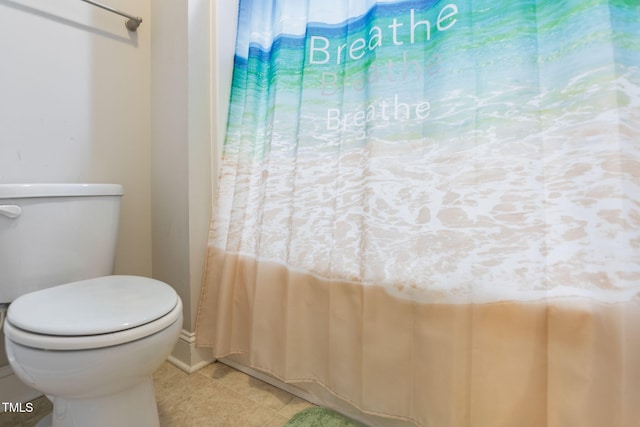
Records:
x=187, y=356
x=14, y=390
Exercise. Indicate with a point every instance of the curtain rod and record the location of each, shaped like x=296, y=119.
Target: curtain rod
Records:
x=132, y=23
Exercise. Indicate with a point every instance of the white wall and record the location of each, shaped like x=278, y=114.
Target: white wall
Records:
x=192, y=61
x=74, y=106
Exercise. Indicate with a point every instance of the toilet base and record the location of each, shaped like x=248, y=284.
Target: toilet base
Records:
x=133, y=407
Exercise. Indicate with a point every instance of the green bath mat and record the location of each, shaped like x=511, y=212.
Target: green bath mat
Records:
x=320, y=417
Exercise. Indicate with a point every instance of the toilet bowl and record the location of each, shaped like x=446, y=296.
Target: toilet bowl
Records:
x=88, y=340
x=92, y=345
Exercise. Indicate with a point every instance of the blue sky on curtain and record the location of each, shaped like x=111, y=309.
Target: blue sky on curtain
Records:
x=442, y=155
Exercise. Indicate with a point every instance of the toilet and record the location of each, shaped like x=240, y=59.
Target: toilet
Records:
x=88, y=340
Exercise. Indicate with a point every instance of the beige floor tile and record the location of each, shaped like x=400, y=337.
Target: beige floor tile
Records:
x=296, y=405
x=217, y=371
x=216, y=396
x=167, y=375
x=257, y=390
x=277, y=421
x=198, y=401
x=266, y=394
x=41, y=407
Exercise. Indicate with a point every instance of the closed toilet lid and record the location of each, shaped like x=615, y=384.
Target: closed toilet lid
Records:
x=95, y=306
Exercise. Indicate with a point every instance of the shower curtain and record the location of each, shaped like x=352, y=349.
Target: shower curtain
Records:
x=431, y=209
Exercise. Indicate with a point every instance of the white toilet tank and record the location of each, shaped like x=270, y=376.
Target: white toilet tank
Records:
x=52, y=234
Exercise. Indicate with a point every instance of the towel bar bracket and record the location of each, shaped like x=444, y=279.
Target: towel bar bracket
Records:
x=132, y=23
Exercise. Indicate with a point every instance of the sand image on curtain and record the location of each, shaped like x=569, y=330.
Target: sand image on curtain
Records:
x=432, y=208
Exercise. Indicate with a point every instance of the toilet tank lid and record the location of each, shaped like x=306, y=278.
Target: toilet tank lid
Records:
x=94, y=306
x=13, y=191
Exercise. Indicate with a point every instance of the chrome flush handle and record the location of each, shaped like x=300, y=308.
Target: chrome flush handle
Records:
x=10, y=211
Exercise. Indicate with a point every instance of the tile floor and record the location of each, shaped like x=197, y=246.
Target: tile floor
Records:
x=215, y=396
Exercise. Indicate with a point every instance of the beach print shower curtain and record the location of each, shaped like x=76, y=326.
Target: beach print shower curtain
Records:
x=431, y=209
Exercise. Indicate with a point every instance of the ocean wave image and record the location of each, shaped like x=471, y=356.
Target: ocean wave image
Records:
x=470, y=150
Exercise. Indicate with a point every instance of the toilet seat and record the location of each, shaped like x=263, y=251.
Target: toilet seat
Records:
x=93, y=313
